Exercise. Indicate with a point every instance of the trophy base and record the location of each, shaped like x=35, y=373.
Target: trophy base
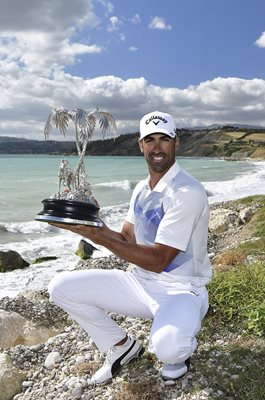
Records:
x=69, y=212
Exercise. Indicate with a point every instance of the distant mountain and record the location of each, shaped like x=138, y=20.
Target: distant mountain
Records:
x=221, y=126
x=12, y=145
x=227, y=141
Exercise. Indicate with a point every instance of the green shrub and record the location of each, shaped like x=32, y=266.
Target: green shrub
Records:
x=237, y=300
x=256, y=321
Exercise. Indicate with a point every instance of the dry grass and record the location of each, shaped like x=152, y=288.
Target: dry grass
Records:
x=259, y=153
x=89, y=367
x=235, y=134
x=249, y=343
x=230, y=259
x=146, y=390
x=257, y=137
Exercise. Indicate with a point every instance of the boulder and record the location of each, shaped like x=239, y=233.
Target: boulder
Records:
x=11, y=260
x=11, y=378
x=15, y=329
x=221, y=219
x=85, y=249
x=246, y=214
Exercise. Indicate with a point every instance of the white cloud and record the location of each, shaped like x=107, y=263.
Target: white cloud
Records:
x=115, y=23
x=261, y=40
x=36, y=43
x=25, y=106
x=122, y=37
x=42, y=52
x=108, y=5
x=39, y=36
x=136, y=19
x=159, y=23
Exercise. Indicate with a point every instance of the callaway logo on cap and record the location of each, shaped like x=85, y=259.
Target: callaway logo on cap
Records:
x=157, y=122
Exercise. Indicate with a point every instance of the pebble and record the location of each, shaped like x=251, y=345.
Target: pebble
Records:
x=80, y=359
x=169, y=382
x=53, y=373
x=77, y=392
x=27, y=384
x=52, y=359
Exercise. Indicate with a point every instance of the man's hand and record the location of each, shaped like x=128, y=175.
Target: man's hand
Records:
x=87, y=231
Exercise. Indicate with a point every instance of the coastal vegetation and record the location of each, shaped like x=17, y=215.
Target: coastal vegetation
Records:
x=237, y=312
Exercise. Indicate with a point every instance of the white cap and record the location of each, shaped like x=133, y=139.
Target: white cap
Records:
x=157, y=122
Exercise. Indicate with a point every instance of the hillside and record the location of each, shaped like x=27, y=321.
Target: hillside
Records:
x=11, y=145
x=228, y=141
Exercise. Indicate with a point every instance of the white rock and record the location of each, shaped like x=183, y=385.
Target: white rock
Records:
x=246, y=214
x=27, y=384
x=88, y=356
x=220, y=219
x=71, y=382
x=15, y=329
x=17, y=397
x=77, y=392
x=80, y=359
x=52, y=359
x=10, y=378
x=169, y=383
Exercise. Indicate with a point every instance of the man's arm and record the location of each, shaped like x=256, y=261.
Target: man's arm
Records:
x=152, y=258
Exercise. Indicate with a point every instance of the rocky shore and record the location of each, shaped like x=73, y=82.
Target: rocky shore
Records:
x=44, y=355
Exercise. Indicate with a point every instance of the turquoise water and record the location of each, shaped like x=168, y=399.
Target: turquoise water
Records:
x=26, y=180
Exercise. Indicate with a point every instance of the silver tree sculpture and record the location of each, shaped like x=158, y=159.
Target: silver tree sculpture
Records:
x=84, y=124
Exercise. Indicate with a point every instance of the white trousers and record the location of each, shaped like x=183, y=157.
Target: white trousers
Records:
x=177, y=314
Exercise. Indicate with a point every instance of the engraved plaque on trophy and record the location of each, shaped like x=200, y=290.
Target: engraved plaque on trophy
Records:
x=74, y=202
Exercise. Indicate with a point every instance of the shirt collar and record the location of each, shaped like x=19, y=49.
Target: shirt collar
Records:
x=166, y=179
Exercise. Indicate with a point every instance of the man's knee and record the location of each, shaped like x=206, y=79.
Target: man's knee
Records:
x=172, y=348
x=58, y=286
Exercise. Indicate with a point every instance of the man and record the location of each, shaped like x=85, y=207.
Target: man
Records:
x=165, y=237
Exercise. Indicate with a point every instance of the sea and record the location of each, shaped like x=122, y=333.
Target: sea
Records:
x=25, y=180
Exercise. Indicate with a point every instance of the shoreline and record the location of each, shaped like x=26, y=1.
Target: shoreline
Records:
x=220, y=157
x=225, y=222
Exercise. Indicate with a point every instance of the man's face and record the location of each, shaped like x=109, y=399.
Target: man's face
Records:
x=159, y=151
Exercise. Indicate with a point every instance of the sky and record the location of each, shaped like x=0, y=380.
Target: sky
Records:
x=203, y=61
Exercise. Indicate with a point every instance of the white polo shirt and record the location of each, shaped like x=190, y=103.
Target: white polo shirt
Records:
x=175, y=213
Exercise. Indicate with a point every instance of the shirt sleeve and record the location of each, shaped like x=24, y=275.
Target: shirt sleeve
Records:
x=182, y=212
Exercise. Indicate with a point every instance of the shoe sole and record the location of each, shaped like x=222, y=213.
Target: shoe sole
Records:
x=167, y=378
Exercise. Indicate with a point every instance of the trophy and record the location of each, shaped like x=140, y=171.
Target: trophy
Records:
x=74, y=202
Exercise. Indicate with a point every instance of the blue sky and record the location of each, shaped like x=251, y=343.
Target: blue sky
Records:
x=203, y=61
x=196, y=40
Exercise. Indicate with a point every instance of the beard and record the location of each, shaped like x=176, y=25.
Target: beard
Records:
x=159, y=162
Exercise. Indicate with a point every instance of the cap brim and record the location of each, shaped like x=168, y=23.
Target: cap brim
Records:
x=169, y=134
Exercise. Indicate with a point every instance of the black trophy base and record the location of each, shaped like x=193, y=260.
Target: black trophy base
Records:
x=69, y=212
